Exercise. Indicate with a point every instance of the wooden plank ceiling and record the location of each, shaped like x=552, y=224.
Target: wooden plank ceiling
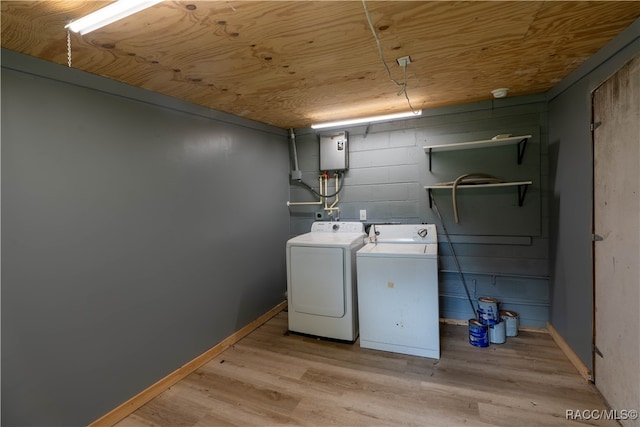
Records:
x=294, y=63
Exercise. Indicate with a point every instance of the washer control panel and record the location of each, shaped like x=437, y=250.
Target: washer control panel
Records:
x=403, y=233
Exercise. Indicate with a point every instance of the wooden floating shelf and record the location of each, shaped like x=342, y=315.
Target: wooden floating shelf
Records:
x=520, y=141
x=476, y=144
x=522, y=188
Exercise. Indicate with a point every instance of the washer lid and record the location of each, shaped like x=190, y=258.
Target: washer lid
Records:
x=399, y=250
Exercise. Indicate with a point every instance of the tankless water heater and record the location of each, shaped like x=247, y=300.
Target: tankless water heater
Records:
x=334, y=152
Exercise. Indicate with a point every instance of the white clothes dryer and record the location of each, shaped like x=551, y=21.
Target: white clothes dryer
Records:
x=321, y=280
x=398, y=290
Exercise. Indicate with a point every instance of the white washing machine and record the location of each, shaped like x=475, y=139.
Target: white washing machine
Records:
x=398, y=290
x=321, y=280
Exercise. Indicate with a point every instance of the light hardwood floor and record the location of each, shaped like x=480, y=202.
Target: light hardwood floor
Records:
x=272, y=377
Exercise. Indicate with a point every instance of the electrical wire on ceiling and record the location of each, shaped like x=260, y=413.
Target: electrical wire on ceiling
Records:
x=403, y=84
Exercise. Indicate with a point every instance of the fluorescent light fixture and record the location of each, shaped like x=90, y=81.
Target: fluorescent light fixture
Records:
x=367, y=119
x=109, y=14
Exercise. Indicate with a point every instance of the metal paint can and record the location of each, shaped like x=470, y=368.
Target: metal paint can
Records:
x=511, y=321
x=488, y=310
x=478, y=334
x=497, y=333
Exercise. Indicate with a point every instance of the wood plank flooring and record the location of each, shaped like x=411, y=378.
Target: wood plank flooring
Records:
x=274, y=378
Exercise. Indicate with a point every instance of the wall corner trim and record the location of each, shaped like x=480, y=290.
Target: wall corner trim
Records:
x=145, y=396
x=583, y=370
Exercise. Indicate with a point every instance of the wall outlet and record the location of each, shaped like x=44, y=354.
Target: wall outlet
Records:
x=363, y=214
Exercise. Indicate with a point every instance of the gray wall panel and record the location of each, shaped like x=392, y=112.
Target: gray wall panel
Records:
x=388, y=170
x=570, y=203
x=127, y=230
x=381, y=157
x=527, y=296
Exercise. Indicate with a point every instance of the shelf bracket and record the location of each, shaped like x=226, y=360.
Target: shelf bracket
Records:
x=522, y=192
x=522, y=145
x=430, y=198
x=430, y=151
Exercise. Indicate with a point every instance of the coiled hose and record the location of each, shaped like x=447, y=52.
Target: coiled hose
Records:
x=468, y=179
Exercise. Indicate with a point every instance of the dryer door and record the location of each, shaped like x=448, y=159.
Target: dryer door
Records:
x=317, y=280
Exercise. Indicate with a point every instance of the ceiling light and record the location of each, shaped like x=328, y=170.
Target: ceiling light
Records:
x=367, y=119
x=500, y=93
x=109, y=14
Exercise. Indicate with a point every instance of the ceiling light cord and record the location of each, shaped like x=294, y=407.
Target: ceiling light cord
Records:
x=69, y=48
x=403, y=85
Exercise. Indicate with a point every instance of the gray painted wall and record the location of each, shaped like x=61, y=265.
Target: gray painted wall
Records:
x=571, y=172
x=502, y=248
x=134, y=238
x=115, y=271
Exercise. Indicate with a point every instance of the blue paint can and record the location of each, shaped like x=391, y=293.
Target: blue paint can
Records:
x=488, y=311
x=497, y=333
x=478, y=334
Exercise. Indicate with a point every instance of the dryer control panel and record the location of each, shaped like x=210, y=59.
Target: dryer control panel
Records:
x=337, y=227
